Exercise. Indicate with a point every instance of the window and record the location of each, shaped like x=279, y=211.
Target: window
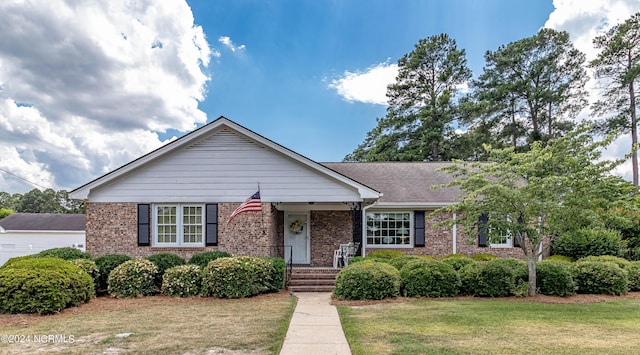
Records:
x=503, y=240
x=390, y=229
x=178, y=225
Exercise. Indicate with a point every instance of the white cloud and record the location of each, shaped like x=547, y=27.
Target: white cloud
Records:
x=85, y=86
x=369, y=86
x=584, y=20
x=229, y=44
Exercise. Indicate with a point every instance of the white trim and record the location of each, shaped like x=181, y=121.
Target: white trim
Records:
x=179, y=231
x=413, y=205
x=391, y=246
x=455, y=234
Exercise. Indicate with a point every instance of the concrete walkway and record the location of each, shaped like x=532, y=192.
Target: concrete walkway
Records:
x=315, y=327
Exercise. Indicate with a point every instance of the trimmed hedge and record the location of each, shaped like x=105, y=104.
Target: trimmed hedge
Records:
x=600, y=278
x=133, y=278
x=66, y=253
x=203, y=259
x=586, y=242
x=621, y=262
x=164, y=261
x=560, y=258
x=105, y=265
x=367, y=280
x=494, y=279
x=236, y=277
x=483, y=257
x=518, y=266
x=429, y=279
x=457, y=261
x=182, y=281
x=401, y=261
x=43, y=286
x=89, y=266
x=386, y=254
x=555, y=278
x=276, y=280
x=633, y=276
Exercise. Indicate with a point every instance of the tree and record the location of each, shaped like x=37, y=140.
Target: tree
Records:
x=421, y=105
x=618, y=68
x=540, y=193
x=531, y=89
x=48, y=201
x=9, y=201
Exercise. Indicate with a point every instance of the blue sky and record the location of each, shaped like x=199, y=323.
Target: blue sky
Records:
x=86, y=87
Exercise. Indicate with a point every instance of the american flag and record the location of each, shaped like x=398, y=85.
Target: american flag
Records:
x=252, y=204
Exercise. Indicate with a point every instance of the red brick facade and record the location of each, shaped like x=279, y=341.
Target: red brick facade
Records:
x=112, y=229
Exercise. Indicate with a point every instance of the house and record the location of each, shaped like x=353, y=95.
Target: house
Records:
x=29, y=233
x=179, y=197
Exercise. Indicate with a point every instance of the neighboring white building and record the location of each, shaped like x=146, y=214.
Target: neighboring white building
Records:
x=29, y=233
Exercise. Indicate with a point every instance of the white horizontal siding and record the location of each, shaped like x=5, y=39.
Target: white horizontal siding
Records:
x=20, y=243
x=225, y=167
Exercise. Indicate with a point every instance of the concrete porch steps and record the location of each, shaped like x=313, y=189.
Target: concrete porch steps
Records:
x=308, y=279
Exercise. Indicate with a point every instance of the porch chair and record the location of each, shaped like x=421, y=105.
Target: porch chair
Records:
x=338, y=256
x=350, y=250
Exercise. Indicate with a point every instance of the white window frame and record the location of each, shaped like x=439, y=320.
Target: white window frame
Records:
x=390, y=246
x=508, y=241
x=179, y=225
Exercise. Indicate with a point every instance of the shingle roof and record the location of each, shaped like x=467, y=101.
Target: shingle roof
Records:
x=43, y=221
x=402, y=182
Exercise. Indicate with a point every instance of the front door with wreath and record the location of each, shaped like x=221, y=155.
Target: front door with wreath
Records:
x=296, y=236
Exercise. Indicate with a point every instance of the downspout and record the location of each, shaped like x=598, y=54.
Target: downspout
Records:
x=455, y=234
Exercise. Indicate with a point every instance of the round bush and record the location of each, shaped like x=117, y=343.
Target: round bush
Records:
x=621, y=262
x=276, y=280
x=105, y=265
x=133, y=278
x=66, y=253
x=367, y=281
x=236, y=277
x=164, y=261
x=89, y=266
x=386, y=254
x=457, y=261
x=633, y=276
x=43, y=286
x=555, y=278
x=495, y=279
x=430, y=279
x=518, y=266
x=483, y=257
x=182, y=281
x=586, y=241
x=469, y=278
x=401, y=261
x=599, y=278
x=203, y=259
x=559, y=258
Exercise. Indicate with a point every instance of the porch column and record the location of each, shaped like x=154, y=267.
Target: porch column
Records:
x=356, y=216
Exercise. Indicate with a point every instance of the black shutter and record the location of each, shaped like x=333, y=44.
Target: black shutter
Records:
x=143, y=225
x=418, y=229
x=516, y=238
x=211, y=237
x=482, y=230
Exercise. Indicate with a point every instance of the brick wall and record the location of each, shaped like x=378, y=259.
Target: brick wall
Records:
x=328, y=230
x=112, y=229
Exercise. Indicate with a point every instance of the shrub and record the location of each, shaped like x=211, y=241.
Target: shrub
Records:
x=203, y=259
x=386, y=254
x=278, y=268
x=621, y=262
x=469, y=276
x=554, y=278
x=401, y=261
x=164, y=261
x=235, y=277
x=367, y=281
x=633, y=275
x=585, y=242
x=483, y=257
x=182, y=281
x=430, y=279
x=16, y=259
x=559, y=258
x=457, y=261
x=518, y=266
x=89, y=266
x=600, y=278
x=43, y=286
x=105, y=265
x=495, y=279
x=66, y=253
x=133, y=278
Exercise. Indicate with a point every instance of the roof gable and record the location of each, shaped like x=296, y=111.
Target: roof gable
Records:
x=223, y=161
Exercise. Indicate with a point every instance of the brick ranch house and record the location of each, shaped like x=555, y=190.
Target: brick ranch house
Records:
x=178, y=198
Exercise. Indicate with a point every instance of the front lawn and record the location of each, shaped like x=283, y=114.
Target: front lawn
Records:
x=486, y=326
x=154, y=325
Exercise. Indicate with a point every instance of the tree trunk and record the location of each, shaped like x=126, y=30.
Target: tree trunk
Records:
x=532, y=259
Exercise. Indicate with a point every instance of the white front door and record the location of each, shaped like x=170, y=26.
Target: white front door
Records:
x=296, y=238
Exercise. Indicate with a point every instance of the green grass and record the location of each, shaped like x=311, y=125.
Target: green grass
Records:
x=159, y=325
x=493, y=327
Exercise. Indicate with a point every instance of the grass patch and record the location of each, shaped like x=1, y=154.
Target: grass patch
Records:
x=488, y=326
x=162, y=325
